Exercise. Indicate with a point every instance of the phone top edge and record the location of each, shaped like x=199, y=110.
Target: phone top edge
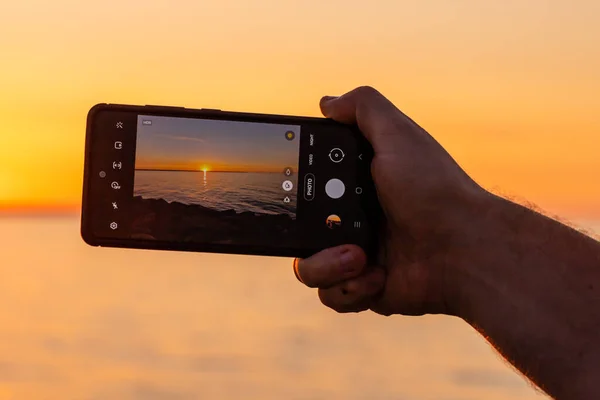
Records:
x=199, y=112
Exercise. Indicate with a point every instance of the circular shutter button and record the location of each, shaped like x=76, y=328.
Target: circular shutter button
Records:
x=335, y=188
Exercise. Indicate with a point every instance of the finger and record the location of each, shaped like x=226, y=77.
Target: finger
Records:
x=375, y=115
x=330, y=266
x=356, y=294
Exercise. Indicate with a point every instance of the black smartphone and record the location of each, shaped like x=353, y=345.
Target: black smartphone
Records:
x=173, y=178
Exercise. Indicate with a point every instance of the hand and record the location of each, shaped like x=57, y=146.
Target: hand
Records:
x=428, y=202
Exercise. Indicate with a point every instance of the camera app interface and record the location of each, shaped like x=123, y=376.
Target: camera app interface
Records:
x=215, y=181
x=182, y=180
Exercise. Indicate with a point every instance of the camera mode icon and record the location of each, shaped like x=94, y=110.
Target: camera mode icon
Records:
x=287, y=185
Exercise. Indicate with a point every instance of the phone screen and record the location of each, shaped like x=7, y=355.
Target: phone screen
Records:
x=225, y=182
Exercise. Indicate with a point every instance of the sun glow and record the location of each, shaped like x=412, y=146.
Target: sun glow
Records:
x=517, y=108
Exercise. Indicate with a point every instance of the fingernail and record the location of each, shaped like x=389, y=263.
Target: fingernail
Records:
x=296, y=272
x=326, y=100
x=347, y=261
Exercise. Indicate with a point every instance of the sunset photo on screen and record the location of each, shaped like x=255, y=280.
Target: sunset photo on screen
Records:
x=207, y=174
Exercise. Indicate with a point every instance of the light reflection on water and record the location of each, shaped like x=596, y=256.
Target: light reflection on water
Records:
x=88, y=323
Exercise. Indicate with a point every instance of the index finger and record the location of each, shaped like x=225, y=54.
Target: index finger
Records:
x=376, y=116
x=330, y=266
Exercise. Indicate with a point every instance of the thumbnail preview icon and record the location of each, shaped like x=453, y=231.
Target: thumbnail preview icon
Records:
x=333, y=221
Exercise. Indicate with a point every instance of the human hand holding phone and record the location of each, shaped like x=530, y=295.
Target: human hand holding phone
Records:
x=427, y=200
x=526, y=282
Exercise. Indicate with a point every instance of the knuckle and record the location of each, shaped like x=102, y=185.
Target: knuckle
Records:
x=343, y=299
x=327, y=267
x=351, y=288
x=366, y=91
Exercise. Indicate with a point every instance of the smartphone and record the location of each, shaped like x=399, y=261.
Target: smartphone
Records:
x=172, y=178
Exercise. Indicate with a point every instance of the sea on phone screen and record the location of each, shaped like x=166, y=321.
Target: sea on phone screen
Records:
x=258, y=192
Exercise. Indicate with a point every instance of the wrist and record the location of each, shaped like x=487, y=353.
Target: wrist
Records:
x=478, y=233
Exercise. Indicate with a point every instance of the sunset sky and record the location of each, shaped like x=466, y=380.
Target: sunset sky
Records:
x=510, y=88
x=187, y=144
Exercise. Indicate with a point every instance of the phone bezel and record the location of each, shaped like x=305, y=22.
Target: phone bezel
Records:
x=91, y=239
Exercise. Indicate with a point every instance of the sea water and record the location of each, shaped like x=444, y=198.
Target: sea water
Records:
x=78, y=322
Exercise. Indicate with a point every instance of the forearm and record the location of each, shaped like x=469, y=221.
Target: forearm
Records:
x=531, y=285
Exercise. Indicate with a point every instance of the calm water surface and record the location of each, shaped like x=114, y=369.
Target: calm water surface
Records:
x=86, y=323
x=255, y=192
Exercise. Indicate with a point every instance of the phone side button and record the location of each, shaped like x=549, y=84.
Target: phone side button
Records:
x=309, y=187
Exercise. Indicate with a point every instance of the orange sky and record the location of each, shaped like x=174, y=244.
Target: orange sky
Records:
x=510, y=88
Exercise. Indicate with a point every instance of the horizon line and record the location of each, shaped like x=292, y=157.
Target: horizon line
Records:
x=587, y=223
x=23, y=210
